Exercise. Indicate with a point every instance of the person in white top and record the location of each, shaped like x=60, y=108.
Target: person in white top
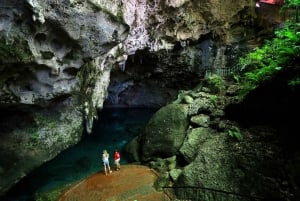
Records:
x=105, y=159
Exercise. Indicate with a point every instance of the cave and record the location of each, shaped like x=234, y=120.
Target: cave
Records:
x=200, y=96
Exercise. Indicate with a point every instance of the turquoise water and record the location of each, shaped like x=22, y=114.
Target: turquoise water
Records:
x=113, y=129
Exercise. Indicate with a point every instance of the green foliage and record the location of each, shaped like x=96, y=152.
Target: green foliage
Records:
x=264, y=62
x=216, y=83
x=214, y=98
x=236, y=78
x=292, y=2
x=235, y=132
x=294, y=82
x=288, y=4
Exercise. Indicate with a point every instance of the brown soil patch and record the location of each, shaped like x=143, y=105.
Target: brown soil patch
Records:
x=132, y=182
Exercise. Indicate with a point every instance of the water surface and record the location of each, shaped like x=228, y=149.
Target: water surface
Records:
x=113, y=129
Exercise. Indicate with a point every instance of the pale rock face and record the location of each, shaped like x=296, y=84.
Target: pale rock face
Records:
x=176, y=3
x=135, y=14
x=57, y=47
x=37, y=11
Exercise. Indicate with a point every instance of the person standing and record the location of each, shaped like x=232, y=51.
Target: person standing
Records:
x=117, y=158
x=105, y=159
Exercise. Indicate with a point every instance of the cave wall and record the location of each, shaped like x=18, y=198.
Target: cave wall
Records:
x=52, y=78
x=56, y=59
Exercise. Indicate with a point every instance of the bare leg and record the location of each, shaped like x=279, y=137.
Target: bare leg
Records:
x=117, y=164
x=105, y=170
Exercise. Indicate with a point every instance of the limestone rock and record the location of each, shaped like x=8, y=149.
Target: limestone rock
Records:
x=193, y=141
x=235, y=167
x=165, y=132
x=46, y=49
x=201, y=120
x=174, y=174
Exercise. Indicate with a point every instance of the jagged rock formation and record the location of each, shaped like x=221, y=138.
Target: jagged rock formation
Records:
x=52, y=76
x=56, y=59
x=217, y=147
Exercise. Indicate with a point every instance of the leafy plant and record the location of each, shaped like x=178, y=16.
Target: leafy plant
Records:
x=235, y=132
x=264, y=62
x=214, y=98
x=292, y=4
x=216, y=83
x=294, y=82
x=236, y=78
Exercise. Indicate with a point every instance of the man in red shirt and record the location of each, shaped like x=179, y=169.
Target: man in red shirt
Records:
x=117, y=158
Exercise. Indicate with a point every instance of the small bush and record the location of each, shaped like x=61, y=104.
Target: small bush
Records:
x=235, y=132
x=216, y=83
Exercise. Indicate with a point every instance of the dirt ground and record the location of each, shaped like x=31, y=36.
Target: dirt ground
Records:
x=131, y=183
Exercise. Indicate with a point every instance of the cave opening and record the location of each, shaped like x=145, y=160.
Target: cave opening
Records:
x=149, y=80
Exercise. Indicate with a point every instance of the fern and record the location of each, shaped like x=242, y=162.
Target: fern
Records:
x=235, y=132
x=264, y=62
x=294, y=82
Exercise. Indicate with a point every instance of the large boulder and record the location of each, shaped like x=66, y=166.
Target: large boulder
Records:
x=194, y=138
x=165, y=132
x=247, y=167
